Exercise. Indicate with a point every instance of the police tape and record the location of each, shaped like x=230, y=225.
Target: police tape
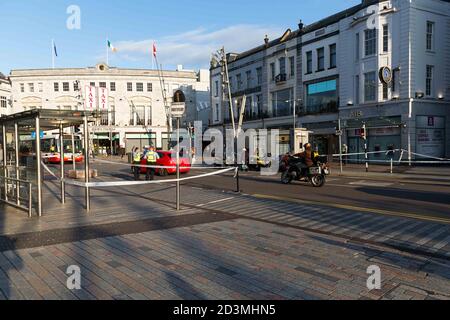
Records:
x=153, y=166
x=137, y=183
x=363, y=153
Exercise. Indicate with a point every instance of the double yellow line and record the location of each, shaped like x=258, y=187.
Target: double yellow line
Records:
x=355, y=208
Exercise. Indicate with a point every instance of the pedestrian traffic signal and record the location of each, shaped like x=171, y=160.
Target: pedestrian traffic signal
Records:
x=363, y=133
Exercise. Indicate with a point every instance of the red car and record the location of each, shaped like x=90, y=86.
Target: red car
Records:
x=55, y=158
x=168, y=159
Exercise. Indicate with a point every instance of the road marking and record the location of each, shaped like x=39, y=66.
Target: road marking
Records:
x=371, y=183
x=355, y=208
x=217, y=201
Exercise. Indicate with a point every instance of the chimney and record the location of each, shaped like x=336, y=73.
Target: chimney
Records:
x=266, y=40
x=300, y=25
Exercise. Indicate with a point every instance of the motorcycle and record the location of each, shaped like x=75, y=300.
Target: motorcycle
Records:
x=294, y=168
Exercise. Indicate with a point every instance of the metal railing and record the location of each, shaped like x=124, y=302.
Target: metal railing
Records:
x=11, y=183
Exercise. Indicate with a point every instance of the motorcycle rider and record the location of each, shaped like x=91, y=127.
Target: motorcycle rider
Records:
x=307, y=156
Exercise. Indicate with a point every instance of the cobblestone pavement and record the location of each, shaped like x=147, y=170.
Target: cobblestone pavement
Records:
x=220, y=246
x=236, y=259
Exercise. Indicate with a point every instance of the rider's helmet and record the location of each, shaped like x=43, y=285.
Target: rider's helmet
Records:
x=308, y=146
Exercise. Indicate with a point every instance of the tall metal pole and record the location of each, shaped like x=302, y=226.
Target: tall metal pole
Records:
x=340, y=144
x=74, y=165
x=86, y=163
x=178, y=164
x=5, y=168
x=38, y=167
x=366, y=156
x=61, y=158
x=16, y=147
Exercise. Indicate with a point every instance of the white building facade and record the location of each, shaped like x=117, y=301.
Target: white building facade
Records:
x=384, y=64
x=5, y=96
x=136, y=114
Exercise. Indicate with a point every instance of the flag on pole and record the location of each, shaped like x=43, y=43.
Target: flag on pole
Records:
x=154, y=49
x=54, y=49
x=110, y=45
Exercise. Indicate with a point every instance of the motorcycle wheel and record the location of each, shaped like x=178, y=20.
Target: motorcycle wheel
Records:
x=286, y=177
x=317, y=181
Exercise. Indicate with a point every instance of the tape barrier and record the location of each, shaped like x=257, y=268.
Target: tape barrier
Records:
x=363, y=153
x=137, y=183
x=402, y=152
x=151, y=166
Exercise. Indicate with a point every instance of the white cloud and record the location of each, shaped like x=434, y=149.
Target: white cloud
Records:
x=193, y=48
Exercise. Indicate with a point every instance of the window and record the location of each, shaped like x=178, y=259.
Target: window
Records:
x=76, y=86
x=357, y=90
x=282, y=103
x=430, y=35
x=282, y=64
x=149, y=116
x=259, y=75
x=248, y=76
x=139, y=87
x=385, y=91
x=129, y=86
x=31, y=87
x=65, y=86
x=92, y=84
x=429, y=81
x=113, y=115
x=112, y=86
x=357, y=49
x=230, y=82
x=40, y=87
x=149, y=87
x=104, y=118
x=239, y=81
x=370, y=86
x=385, y=38
x=322, y=97
x=370, y=42
x=332, y=56
x=272, y=71
x=216, y=89
x=320, y=59
x=292, y=66
x=56, y=86
x=309, y=62
x=102, y=84
x=140, y=115
x=259, y=105
x=22, y=87
x=3, y=102
x=217, y=112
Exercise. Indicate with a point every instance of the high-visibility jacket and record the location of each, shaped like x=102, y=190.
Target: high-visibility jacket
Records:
x=137, y=157
x=151, y=157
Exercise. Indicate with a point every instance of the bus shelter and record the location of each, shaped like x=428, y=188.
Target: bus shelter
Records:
x=21, y=142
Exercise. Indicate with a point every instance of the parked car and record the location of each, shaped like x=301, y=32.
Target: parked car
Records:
x=168, y=159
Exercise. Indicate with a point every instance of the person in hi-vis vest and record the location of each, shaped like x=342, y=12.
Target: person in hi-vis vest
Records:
x=137, y=162
x=151, y=156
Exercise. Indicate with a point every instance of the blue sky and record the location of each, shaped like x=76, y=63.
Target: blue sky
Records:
x=186, y=32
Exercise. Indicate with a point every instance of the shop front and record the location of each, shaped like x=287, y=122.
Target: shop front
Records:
x=430, y=136
x=139, y=140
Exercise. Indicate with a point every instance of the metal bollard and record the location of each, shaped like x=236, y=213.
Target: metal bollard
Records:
x=30, y=200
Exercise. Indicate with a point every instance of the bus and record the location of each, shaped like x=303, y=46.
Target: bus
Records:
x=50, y=148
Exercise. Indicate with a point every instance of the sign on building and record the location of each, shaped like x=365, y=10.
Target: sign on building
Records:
x=90, y=98
x=103, y=99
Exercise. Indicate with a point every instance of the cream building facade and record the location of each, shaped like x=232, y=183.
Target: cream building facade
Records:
x=5, y=96
x=136, y=114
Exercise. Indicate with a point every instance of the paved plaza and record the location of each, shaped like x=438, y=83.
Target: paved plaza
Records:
x=134, y=245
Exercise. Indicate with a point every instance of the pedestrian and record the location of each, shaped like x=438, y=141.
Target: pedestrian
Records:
x=137, y=163
x=152, y=156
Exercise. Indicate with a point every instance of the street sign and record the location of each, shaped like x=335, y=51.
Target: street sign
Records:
x=41, y=134
x=103, y=98
x=339, y=132
x=91, y=98
x=177, y=109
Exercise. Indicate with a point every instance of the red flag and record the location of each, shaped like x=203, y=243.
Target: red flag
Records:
x=154, y=50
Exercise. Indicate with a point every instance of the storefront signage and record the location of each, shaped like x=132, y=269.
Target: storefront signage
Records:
x=90, y=98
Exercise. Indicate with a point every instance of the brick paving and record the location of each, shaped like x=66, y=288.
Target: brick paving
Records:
x=220, y=246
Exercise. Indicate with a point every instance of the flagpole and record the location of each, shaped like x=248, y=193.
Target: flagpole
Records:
x=107, y=52
x=53, y=53
x=153, y=58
